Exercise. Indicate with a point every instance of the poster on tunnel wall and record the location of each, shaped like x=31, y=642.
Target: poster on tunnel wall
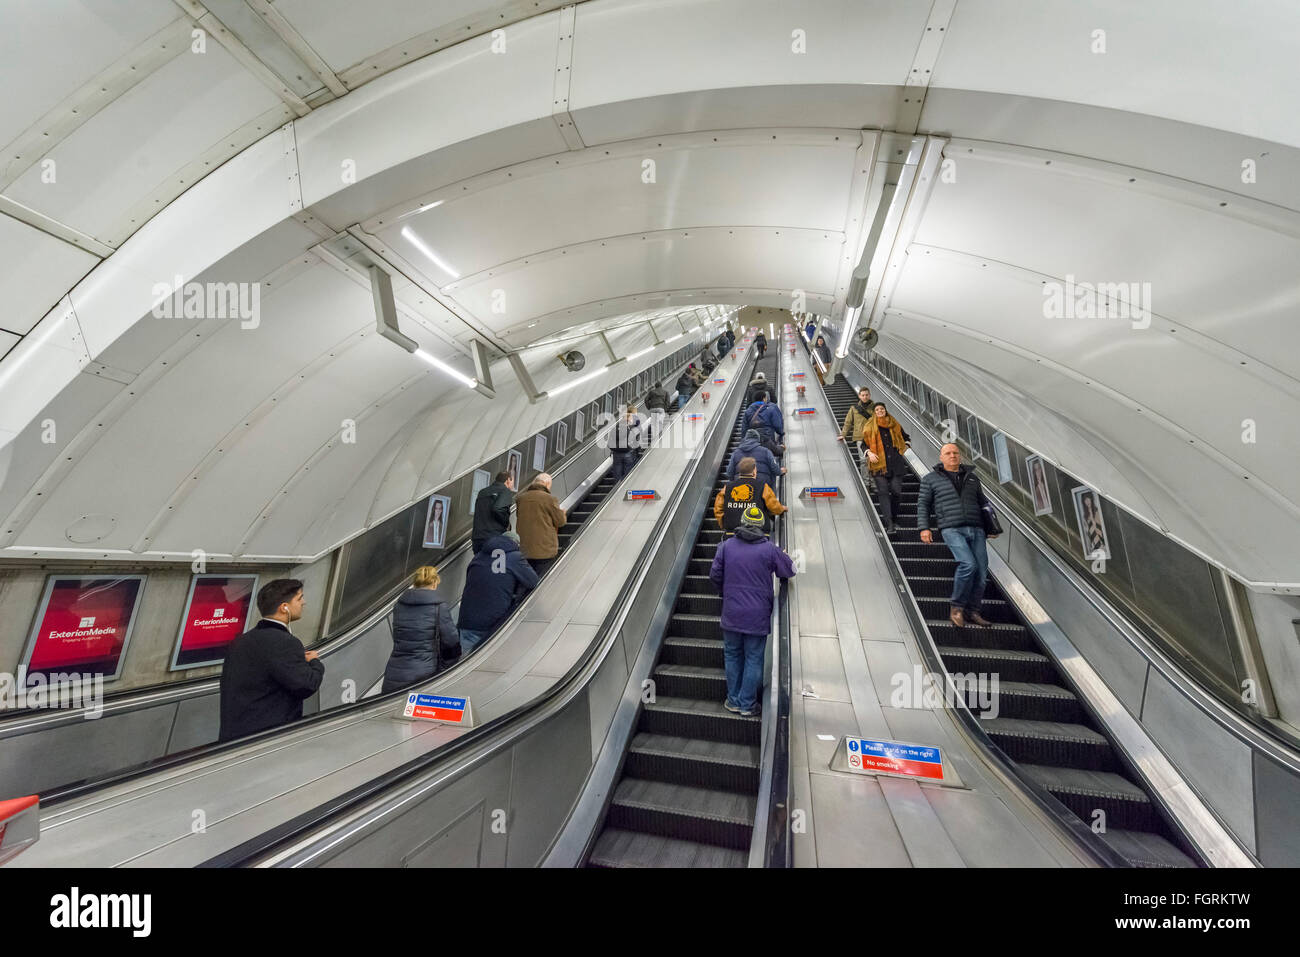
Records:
x=82, y=626
x=217, y=612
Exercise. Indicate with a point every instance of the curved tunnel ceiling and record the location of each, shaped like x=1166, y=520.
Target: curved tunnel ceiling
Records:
x=556, y=170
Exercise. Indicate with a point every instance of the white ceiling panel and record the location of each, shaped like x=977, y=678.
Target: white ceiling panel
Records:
x=619, y=45
x=38, y=272
x=7, y=341
x=345, y=33
x=1183, y=250
x=55, y=46
x=578, y=202
x=754, y=257
x=151, y=132
x=1230, y=66
x=1199, y=154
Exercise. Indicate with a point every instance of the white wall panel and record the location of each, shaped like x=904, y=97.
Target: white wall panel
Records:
x=37, y=367
x=38, y=272
x=1199, y=61
x=151, y=131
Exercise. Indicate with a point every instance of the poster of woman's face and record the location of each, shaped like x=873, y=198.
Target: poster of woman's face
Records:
x=1038, y=484
x=435, y=524
x=1002, y=456
x=514, y=466
x=973, y=436
x=1092, y=526
x=579, y=425
x=562, y=438
x=539, y=453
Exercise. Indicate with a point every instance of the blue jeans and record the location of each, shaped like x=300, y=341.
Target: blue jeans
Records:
x=744, y=657
x=969, y=547
x=623, y=462
x=682, y=400
x=469, y=640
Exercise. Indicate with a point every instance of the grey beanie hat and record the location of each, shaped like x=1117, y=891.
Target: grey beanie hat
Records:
x=752, y=434
x=512, y=535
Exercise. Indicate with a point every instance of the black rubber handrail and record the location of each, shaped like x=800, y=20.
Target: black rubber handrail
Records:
x=268, y=842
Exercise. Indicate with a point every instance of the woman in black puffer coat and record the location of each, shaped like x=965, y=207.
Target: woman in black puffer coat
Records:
x=425, y=639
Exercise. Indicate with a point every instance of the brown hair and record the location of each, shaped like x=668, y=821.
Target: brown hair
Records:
x=426, y=576
x=747, y=466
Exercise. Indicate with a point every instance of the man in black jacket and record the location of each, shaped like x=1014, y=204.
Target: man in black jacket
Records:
x=497, y=580
x=267, y=675
x=952, y=493
x=492, y=509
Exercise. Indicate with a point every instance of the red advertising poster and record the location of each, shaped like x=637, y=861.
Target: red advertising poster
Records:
x=216, y=613
x=83, y=625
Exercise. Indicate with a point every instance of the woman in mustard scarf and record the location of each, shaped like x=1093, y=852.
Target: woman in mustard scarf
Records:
x=886, y=442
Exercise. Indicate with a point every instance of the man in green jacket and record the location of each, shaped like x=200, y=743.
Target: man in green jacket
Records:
x=859, y=416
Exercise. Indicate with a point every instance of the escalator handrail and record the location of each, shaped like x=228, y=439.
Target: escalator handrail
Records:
x=771, y=844
x=74, y=790
x=1067, y=820
x=488, y=737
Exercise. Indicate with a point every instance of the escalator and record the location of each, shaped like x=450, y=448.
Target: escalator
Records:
x=688, y=790
x=1041, y=726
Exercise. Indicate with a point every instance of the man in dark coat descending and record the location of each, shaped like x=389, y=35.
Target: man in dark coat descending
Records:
x=953, y=496
x=267, y=674
x=492, y=509
x=742, y=570
x=497, y=580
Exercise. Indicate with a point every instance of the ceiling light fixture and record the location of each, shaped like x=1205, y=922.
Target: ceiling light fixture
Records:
x=415, y=241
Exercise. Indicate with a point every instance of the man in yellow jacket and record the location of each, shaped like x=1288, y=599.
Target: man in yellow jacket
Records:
x=729, y=507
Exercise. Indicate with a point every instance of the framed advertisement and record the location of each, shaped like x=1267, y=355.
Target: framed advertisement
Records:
x=482, y=479
x=539, y=452
x=1092, y=524
x=562, y=437
x=83, y=625
x=973, y=436
x=217, y=611
x=1036, y=470
x=579, y=425
x=435, y=522
x=515, y=466
x=1002, y=457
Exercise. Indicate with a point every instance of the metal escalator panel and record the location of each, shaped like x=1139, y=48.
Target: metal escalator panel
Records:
x=688, y=790
x=1041, y=725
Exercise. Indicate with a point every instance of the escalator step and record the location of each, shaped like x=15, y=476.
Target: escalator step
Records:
x=708, y=683
x=710, y=764
x=695, y=626
x=1009, y=664
x=1034, y=702
x=1084, y=792
x=1145, y=849
x=699, y=718
x=689, y=604
x=1002, y=635
x=679, y=811
x=1051, y=742
x=617, y=848
x=704, y=652
x=698, y=585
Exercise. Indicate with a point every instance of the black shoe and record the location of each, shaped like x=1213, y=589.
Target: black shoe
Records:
x=891, y=528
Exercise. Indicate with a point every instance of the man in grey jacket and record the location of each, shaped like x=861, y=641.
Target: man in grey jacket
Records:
x=952, y=495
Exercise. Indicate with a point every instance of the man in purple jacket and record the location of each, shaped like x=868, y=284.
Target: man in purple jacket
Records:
x=742, y=569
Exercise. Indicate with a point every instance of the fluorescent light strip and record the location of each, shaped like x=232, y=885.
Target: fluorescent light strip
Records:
x=415, y=241
x=578, y=381
x=850, y=325
x=439, y=364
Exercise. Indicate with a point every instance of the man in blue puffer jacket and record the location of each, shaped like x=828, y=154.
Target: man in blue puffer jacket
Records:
x=425, y=640
x=496, y=581
x=752, y=446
